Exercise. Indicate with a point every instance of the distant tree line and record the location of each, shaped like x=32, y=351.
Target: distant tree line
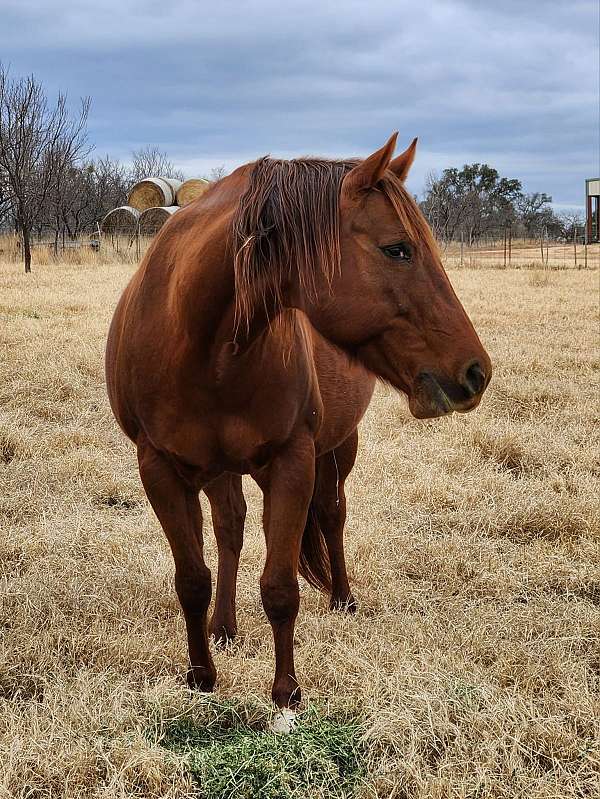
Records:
x=51, y=187
x=475, y=202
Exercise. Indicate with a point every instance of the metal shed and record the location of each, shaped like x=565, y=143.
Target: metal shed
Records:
x=592, y=209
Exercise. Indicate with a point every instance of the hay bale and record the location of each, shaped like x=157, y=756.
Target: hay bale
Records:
x=152, y=219
x=190, y=190
x=153, y=193
x=120, y=221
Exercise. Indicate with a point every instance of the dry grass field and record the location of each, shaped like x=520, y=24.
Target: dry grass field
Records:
x=472, y=669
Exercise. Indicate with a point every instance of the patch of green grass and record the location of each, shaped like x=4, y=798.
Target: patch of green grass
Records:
x=229, y=751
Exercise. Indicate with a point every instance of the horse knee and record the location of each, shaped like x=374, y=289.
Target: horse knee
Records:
x=281, y=600
x=194, y=590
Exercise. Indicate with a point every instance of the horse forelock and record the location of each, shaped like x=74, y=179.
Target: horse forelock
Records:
x=286, y=227
x=407, y=210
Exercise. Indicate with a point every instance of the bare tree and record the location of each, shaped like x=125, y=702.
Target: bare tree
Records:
x=152, y=162
x=5, y=204
x=38, y=143
x=110, y=183
x=217, y=173
x=83, y=195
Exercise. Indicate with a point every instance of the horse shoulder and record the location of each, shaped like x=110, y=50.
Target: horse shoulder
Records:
x=270, y=390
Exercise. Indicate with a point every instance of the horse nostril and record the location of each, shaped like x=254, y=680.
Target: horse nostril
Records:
x=474, y=381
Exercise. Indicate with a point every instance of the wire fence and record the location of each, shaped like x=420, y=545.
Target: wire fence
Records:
x=511, y=253
x=489, y=253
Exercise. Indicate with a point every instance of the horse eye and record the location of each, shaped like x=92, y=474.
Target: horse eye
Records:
x=399, y=252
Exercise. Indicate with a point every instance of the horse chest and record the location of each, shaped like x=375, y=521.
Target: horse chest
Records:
x=250, y=440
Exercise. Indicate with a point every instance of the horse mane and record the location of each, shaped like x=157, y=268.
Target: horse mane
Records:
x=286, y=228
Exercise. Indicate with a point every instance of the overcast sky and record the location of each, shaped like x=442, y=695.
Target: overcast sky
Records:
x=513, y=84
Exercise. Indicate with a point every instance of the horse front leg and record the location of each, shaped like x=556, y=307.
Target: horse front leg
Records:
x=177, y=507
x=228, y=509
x=288, y=486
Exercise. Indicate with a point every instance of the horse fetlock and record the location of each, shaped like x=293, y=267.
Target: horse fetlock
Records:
x=286, y=692
x=345, y=603
x=223, y=629
x=202, y=678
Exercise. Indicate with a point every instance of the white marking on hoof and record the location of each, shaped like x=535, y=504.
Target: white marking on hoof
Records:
x=283, y=721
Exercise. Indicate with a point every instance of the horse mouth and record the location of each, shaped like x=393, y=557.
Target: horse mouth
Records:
x=433, y=397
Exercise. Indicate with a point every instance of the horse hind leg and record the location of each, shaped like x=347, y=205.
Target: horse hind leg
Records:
x=329, y=507
x=177, y=507
x=228, y=509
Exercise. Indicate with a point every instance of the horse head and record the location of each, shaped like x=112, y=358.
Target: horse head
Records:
x=391, y=302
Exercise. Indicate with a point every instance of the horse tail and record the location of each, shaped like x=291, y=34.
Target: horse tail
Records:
x=314, y=563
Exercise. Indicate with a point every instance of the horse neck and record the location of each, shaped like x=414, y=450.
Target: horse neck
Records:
x=202, y=289
x=203, y=285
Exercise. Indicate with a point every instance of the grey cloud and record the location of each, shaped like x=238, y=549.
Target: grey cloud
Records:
x=513, y=84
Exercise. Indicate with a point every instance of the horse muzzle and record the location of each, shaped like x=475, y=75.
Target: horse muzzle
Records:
x=435, y=395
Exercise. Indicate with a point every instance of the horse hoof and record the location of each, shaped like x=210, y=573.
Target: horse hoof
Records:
x=222, y=636
x=347, y=605
x=222, y=632
x=223, y=643
x=283, y=721
x=200, y=678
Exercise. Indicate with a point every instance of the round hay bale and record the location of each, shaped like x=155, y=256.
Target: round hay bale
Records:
x=120, y=221
x=190, y=190
x=154, y=193
x=152, y=219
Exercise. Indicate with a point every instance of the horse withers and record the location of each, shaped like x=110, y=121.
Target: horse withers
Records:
x=249, y=341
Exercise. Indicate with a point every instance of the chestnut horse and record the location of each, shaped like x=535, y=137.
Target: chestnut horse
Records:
x=248, y=342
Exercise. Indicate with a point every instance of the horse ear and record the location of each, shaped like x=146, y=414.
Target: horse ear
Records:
x=402, y=163
x=366, y=174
